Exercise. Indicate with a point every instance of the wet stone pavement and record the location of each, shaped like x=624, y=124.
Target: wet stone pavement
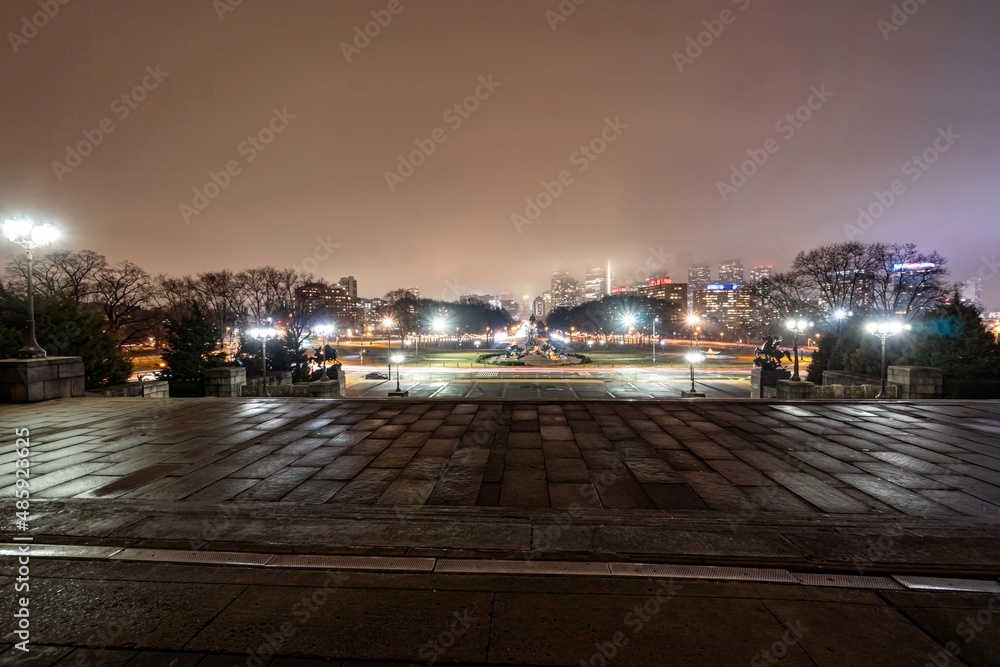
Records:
x=931, y=459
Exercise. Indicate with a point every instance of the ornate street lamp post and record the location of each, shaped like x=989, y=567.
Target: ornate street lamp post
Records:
x=398, y=358
x=693, y=358
x=885, y=329
x=264, y=334
x=28, y=235
x=655, y=320
x=797, y=326
x=388, y=324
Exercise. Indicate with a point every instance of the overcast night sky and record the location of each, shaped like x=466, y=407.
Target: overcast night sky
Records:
x=448, y=225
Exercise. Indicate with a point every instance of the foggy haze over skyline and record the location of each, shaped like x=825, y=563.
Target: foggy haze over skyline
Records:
x=308, y=130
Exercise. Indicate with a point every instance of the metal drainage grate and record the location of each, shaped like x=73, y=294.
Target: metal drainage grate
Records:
x=354, y=563
x=60, y=551
x=520, y=567
x=848, y=581
x=200, y=557
x=769, y=575
x=941, y=584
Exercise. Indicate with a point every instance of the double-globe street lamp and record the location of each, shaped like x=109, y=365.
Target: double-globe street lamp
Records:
x=264, y=334
x=797, y=326
x=885, y=329
x=29, y=235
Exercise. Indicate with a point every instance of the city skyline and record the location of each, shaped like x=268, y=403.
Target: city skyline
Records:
x=272, y=168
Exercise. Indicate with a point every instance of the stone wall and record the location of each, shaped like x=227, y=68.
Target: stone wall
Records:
x=32, y=380
x=849, y=379
x=152, y=389
x=275, y=378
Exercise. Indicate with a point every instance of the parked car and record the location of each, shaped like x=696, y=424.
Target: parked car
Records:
x=375, y=375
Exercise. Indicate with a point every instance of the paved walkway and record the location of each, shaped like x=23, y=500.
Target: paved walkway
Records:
x=871, y=492
x=933, y=460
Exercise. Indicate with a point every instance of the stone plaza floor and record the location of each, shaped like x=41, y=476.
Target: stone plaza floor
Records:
x=516, y=532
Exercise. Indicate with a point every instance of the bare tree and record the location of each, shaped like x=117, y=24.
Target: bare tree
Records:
x=836, y=277
x=124, y=292
x=70, y=275
x=219, y=293
x=906, y=281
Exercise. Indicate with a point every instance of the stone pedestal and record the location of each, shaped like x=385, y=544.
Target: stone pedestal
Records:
x=790, y=390
x=32, y=380
x=916, y=382
x=692, y=394
x=760, y=378
x=225, y=382
x=399, y=394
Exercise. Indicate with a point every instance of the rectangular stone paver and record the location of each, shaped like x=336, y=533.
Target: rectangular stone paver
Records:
x=930, y=459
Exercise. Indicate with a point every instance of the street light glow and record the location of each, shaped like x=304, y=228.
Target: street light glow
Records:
x=693, y=319
x=397, y=358
x=886, y=327
x=264, y=333
x=694, y=357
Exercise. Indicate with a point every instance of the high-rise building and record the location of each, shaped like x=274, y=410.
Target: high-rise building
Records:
x=538, y=307
x=726, y=303
x=596, y=284
x=547, y=301
x=565, y=290
x=326, y=302
x=731, y=272
x=674, y=295
x=415, y=291
x=759, y=273
x=971, y=292
x=699, y=276
x=350, y=285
